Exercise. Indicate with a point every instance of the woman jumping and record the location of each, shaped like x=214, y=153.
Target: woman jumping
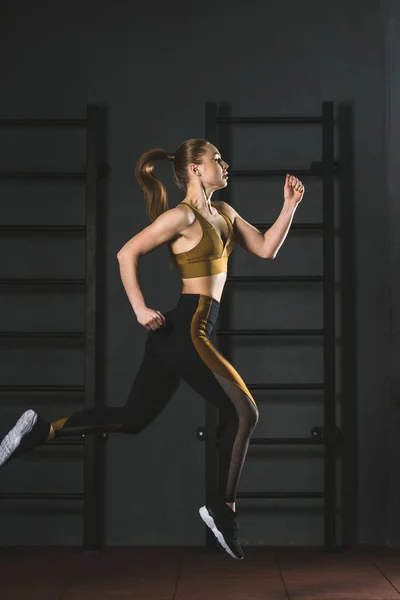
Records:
x=200, y=235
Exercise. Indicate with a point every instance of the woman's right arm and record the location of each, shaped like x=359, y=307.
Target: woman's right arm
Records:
x=163, y=229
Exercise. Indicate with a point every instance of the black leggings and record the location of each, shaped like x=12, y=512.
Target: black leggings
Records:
x=181, y=350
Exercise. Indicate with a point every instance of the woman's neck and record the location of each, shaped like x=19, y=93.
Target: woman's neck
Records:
x=199, y=198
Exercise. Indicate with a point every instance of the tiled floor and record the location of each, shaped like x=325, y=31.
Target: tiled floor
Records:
x=198, y=574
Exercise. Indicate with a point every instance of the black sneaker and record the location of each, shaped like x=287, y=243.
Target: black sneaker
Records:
x=221, y=519
x=29, y=431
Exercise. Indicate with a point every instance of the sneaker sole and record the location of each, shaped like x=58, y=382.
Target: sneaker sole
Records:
x=209, y=521
x=13, y=438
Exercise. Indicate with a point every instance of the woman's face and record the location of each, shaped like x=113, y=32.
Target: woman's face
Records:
x=213, y=169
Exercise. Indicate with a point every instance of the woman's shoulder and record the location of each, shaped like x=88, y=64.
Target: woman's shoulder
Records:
x=186, y=218
x=186, y=213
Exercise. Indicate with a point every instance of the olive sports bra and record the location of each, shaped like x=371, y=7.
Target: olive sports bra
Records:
x=210, y=255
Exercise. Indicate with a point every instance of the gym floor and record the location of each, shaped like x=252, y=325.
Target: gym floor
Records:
x=198, y=574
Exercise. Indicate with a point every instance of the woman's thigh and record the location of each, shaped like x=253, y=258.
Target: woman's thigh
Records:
x=153, y=387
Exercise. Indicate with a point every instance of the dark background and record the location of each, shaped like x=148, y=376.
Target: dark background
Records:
x=154, y=66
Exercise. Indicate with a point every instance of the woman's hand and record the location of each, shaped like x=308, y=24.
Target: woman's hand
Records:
x=150, y=319
x=293, y=190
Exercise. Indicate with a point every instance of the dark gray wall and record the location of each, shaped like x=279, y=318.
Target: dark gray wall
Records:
x=154, y=67
x=392, y=123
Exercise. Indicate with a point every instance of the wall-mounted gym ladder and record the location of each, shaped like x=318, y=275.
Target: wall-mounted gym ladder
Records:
x=327, y=435
x=92, y=496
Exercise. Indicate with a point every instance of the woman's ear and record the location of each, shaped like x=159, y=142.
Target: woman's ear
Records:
x=195, y=169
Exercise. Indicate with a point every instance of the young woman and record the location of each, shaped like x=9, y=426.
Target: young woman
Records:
x=200, y=235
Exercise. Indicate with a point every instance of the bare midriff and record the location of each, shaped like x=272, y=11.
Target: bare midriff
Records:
x=212, y=285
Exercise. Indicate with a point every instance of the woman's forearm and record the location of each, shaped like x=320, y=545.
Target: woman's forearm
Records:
x=129, y=271
x=276, y=234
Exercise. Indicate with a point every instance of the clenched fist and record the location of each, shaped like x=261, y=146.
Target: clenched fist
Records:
x=150, y=319
x=294, y=189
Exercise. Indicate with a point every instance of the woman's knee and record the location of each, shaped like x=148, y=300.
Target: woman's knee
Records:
x=245, y=417
x=253, y=417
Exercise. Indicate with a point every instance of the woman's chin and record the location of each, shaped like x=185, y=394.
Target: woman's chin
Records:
x=222, y=185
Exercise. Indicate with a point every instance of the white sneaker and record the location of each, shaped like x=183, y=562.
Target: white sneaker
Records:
x=13, y=438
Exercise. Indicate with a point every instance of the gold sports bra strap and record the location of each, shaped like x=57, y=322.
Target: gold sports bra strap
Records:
x=198, y=213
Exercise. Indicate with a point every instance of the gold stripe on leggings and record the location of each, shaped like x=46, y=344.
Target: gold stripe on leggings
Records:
x=59, y=424
x=208, y=353
x=77, y=429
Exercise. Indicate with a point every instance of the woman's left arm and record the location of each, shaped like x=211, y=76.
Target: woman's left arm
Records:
x=266, y=245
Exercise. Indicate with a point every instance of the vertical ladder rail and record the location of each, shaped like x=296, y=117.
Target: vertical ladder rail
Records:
x=93, y=504
x=328, y=164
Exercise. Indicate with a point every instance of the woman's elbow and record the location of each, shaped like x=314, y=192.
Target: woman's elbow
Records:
x=129, y=250
x=121, y=253
x=267, y=251
x=126, y=254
